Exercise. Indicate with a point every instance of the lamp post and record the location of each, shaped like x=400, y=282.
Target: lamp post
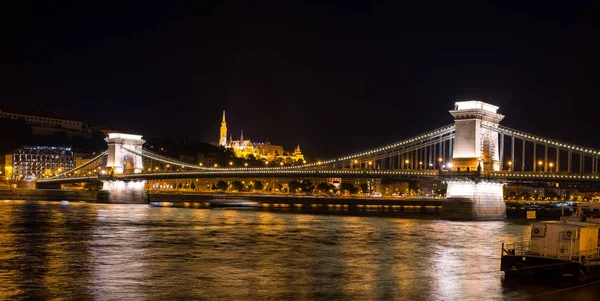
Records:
x=406, y=163
x=551, y=166
x=370, y=163
x=540, y=163
x=440, y=163
x=509, y=165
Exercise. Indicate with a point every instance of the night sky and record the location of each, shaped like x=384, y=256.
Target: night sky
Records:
x=334, y=78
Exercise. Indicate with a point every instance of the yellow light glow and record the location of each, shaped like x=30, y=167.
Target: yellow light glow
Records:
x=406, y=161
x=230, y=163
x=540, y=162
x=245, y=164
x=355, y=161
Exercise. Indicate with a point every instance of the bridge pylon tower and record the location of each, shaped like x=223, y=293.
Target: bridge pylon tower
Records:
x=120, y=160
x=475, y=146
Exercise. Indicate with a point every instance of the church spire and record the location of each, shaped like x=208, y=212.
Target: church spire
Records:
x=223, y=132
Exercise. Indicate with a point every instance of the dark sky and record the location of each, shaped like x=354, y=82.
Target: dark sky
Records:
x=333, y=77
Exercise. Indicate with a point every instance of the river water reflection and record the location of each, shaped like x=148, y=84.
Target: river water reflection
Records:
x=82, y=251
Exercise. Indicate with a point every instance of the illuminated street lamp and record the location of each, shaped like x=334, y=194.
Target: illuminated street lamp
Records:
x=304, y=162
x=246, y=164
x=216, y=165
x=540, y=163
x=370, y=163
x=230, y=163
x=551, y=166
x=509, y=165
x=281, y=163
x=420, y=165
x=266, y=162
x=200, y=164
x=406, y=163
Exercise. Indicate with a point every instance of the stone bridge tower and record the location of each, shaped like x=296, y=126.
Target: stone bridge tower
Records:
x=120, y=160
x=474, y=145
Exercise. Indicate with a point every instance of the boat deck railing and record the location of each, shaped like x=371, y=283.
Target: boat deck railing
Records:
x=522, y=248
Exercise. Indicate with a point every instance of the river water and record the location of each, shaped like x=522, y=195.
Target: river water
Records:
x=78, y=251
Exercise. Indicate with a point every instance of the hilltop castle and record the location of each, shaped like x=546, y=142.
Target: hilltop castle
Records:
x=244, y=148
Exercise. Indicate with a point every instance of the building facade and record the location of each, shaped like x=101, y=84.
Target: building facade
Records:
x=32, y=162
x=243, y=148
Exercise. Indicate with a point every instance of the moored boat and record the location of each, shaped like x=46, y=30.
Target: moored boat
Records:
x=566, y=250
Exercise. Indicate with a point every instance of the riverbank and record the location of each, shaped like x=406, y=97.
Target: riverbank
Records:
x=48, y=195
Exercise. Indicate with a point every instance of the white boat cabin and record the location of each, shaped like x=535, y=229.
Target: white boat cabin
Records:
x=566, y=240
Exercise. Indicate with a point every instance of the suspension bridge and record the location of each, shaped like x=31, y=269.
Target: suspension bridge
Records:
x=475, y=155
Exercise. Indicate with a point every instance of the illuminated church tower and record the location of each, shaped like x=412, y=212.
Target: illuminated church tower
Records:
x=223, y=132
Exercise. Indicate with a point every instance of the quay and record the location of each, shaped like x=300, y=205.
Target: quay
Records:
x=303, y=203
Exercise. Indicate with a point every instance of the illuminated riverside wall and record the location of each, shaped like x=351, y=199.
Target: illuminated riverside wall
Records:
x=269, y=184
x=475, y=201
x=131, y=192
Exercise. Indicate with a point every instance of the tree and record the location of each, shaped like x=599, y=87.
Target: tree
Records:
x=295, y=186
x=94, y=185
x=221, y=185
x=237, y=185
x=348, y=187
x=307, y=186
x=258, y=185
x=323, y=187
x=364, y=188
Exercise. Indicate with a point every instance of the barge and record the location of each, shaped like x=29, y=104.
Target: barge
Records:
x=566, y=251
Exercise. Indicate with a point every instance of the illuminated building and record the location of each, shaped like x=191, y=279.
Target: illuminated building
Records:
x=31, y=162
x=243, y=148
x=223, y=132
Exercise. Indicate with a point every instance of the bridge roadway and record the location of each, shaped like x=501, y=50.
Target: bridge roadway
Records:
x=501, y=176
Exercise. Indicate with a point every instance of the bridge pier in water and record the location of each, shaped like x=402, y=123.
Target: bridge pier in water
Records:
x=130, y=192
x=473, y=200
x=475, y=152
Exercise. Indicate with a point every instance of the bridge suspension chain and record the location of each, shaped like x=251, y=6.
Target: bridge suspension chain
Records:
x=86, y=164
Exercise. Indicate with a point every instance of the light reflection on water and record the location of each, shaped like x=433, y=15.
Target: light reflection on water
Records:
x=136, y=252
